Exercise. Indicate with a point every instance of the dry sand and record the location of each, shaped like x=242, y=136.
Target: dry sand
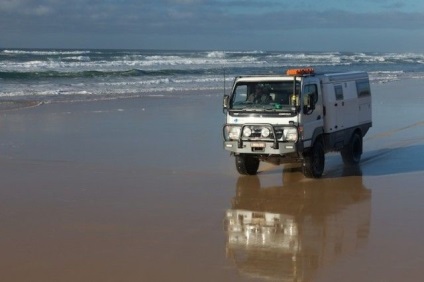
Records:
x=142, y=190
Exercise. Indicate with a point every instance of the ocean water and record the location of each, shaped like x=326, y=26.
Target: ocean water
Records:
x=103, y=74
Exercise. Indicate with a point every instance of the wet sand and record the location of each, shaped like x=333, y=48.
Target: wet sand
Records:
x=142, y=190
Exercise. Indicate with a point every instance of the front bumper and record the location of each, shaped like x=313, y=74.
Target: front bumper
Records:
x=262, y=148
x=262, y=139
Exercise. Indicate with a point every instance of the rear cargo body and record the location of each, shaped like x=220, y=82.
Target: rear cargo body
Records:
x=346, y=106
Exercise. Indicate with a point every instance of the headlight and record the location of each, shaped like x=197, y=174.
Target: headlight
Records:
x=232, y=132
x=290, y=134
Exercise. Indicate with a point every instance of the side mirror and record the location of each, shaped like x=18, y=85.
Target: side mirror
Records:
x=225, y=102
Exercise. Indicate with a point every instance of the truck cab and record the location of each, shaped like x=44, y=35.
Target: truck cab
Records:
x=296, y=118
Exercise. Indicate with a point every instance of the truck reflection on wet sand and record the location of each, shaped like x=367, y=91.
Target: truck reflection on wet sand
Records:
x=291, y=231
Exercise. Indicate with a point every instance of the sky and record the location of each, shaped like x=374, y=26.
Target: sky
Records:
x=268, y=25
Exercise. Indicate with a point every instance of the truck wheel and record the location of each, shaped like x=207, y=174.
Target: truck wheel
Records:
x=246, y=164
x=351, y=153
x=314, y=161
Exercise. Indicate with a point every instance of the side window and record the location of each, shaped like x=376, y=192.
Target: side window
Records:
x=311, y=89
x=338, y=90
x=363, y=88
x=240, y=94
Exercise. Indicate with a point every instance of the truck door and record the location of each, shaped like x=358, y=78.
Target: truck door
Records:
x=339, y=107
x=311, y=118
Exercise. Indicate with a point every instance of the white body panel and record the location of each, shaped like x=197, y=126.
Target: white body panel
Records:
x=259, y=119
x=344, y=106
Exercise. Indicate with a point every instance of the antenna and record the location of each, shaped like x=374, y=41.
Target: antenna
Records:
x=224, y=81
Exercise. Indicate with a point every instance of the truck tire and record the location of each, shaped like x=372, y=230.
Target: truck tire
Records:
x=246, y=164
x=351, y=153
x=314, y=161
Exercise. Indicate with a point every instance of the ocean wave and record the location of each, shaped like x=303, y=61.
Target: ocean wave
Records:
x=94, y=73
x=152, y=63
x=77, y=58
x=108, y=62
x=51, y=74
x=121, y=72
x=116, y=58
x=216, y=54
x=45, y=52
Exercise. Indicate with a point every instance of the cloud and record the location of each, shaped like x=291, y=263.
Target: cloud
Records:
x=203, y=18
x=26, y=7
x=184, y=1
x=7, y=6
x=395, y=5
x=209, y=14
x=42, y=11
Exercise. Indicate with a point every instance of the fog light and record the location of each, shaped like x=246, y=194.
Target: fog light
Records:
x=265, y=132
x=247, y=132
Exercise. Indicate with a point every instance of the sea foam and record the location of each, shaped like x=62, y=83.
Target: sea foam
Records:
x=93, y=73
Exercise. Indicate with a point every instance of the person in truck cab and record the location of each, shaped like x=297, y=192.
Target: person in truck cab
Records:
x=265, y=97
x=259, y=96
x=254, y=96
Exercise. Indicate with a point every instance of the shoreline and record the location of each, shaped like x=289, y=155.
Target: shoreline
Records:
x=9, y=105
x=29, y=101
x=12, y=103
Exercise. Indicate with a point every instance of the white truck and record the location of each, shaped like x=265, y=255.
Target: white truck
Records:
x=297, y=118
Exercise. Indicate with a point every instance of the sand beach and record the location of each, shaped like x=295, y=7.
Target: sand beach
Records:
x=140, y=189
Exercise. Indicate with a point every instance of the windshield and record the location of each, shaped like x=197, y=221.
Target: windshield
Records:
x=275, y=95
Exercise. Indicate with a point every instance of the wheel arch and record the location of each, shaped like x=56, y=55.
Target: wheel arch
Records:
x=318, y=134
x=358, y=131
